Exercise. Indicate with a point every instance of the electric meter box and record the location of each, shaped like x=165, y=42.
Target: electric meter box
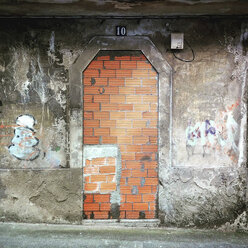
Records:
x=177, y=40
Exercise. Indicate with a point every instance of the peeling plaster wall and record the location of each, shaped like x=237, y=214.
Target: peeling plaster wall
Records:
x=204, y=189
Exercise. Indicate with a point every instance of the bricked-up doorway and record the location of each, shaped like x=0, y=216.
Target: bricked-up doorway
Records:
x=121, y=108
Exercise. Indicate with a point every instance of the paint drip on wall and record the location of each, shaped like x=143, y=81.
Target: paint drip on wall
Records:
x=24, y=143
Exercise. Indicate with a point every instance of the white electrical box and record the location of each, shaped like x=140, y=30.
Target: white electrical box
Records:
x=177, y=40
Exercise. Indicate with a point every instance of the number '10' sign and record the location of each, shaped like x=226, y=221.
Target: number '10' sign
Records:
x=121, y=31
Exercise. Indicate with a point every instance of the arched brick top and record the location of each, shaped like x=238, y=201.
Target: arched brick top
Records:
x=164, y=70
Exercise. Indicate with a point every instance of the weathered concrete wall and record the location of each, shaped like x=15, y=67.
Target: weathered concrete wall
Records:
x=203, y=183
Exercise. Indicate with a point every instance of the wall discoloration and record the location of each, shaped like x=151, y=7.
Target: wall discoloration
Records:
x=34, y=77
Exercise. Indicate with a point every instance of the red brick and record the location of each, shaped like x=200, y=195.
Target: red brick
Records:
x=88, y=81
x=150, y=98
x=150, y=131
x=151, y=181
x=122, y=57
x=91, y=123
x=150, y=164
x=88, y=131
x=140, y=206
x=105, y=206
x=133, y=148
x=126, y=173
x=108, y=123
x=127, y=90
x=154, y=189
x=128, y=64
x=90, y=187
x=150, y=214
x=111, y=90
x=95, y=64
x=107, y=73
x=122, y=214
x=98, y=161
x=153, y=123
x=91, y=140
x=116, y=82
x=142, y=107
x=154, y=107
x=140, y=123
x=123, y=181
x=133, y=115
x=140, y=73
x=149, y=82
x=143, y=65
x=103, y=58
x=101, y=115
x=112, y=64
x=153, y=140
x=152, y=173
x=109, y=107
x=125, y=189
x=110, y=178
x=133, y=181
x=101, y=197
x=150, y=148
x=107, y=169
x=124, y=73
x=134, y=131
x=152, y=206
x=101, y=131
x=91, y=107
x=91, y=170
x=87, y=179
x=91, y=206
x=101, y=98
x=128, y=156
x=91, y=73
x=143, y=90
x=152, y=73
x=126, y=206
x=117, y=131
x=145, y=189
x=98, y=178
x=108, y=187
x=101, y=215
x=123, y=123
x=132, y=215
x=125, y=107
x=88, y=198
x=133, y=198
x=109, y=140
x=87, y=162
x=124, y=140
x=88, y=115
x=145, y=156
x=149, y=198
x=88, y=98
x=117, y=99
x=133, y=82
x=139, y=173
x=111, y=161
x=140, y=140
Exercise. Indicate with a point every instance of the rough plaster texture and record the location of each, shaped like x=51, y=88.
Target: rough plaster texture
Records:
x=190, y=195
x=52, y=196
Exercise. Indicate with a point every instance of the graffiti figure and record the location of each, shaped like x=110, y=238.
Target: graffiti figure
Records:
x=203, y=132
x=24, y=143
x=219, y=134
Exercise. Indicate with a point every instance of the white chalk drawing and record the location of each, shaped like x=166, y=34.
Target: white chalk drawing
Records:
x=218, y=135
x=24, y=144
